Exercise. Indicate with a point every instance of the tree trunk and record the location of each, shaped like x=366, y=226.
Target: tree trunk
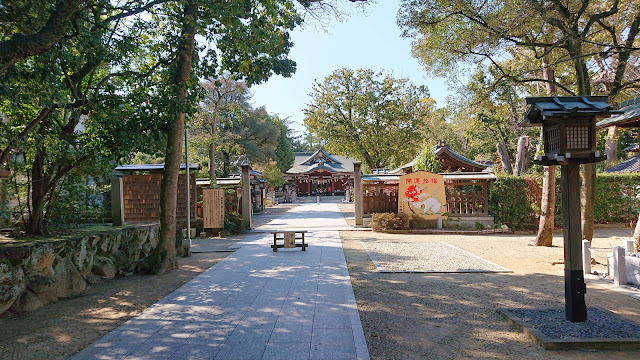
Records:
x=587, y=198
x=548, y=201
x=36, y=217
x=611, y=146
x=212, y=161
x=522, y=156
x=504, y=157
x=547, y=208
x=164, y=255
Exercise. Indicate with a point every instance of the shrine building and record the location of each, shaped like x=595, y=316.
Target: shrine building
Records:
x=320, y=173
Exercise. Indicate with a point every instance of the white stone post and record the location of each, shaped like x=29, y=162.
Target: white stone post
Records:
x=619, y=266
x=586, y=256
x=628, y=245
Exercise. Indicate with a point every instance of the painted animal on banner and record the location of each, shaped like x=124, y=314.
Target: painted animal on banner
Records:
x=421, y=202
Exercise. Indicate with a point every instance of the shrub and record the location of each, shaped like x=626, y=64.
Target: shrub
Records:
x=232, y=223
x=420, y=223
x=616, y=198
x=510, y=202
x=389, y=221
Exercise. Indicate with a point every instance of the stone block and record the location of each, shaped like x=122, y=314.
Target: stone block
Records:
x=69, y=281
x=12, y=283
x=28, y=301
x=632, y=264
x=104, y=266
x=42, y=257
x=627, y=244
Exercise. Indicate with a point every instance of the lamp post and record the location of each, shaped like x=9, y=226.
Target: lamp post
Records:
x=569, y=138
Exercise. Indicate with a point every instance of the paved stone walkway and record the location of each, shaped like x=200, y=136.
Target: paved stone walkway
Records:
x=255, y=304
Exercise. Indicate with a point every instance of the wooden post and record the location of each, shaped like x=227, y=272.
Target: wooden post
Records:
x=117, y=202
x=357, y=195
x=246, y=198
x=574, y=286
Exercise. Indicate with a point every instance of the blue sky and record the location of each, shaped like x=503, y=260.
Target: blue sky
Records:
x=362, y=41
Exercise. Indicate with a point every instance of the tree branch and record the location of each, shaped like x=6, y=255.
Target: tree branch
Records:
x=22, y=46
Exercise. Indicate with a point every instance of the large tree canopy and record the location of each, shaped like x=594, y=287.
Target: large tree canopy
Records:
x=373, y=117
x=600, y=36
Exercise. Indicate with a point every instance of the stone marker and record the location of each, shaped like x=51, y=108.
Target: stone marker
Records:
x=628, y=245
x=586, y=256
x=619, y=267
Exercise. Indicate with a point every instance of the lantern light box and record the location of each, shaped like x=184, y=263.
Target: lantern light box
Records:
x=568, y=127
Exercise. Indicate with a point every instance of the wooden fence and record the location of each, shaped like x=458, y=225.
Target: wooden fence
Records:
x=464, y=198
x=468, y=199
x=379, y=203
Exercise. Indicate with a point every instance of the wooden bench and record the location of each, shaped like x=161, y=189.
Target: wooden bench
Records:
x=289, y=239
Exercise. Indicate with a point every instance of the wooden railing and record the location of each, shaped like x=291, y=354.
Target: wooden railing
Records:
x=467, y=199
x=379, y=203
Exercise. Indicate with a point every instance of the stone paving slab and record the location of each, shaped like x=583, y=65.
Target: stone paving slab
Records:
x=254, y=304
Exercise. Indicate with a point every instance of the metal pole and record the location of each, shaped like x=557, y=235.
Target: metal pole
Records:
x=187, y=251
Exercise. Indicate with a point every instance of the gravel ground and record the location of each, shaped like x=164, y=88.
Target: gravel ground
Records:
x=426, y=257
x=454, y=316
x=599, y=324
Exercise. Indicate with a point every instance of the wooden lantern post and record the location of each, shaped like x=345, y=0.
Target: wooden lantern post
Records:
x=569, y=137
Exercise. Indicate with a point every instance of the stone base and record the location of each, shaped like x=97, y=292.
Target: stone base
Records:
x=539, y=329
x=468, y=221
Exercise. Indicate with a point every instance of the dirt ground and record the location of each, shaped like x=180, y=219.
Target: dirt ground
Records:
x=453, y=316
x=60, y=329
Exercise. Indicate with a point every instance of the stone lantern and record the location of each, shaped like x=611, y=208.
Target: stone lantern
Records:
x=569, y=137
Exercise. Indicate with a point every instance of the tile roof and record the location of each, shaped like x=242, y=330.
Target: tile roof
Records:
x=630, y=118
x=306, y=162
x=153, y=167
x=630, y=165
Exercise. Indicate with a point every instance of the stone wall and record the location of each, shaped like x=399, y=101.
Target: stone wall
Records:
x=35, y=273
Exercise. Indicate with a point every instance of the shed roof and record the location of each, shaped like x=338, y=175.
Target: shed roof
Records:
x=565, y=106
x=630, y=165
x=630, y=118
x=153, y=167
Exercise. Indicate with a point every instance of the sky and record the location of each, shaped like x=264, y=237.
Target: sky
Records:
x=362, y=41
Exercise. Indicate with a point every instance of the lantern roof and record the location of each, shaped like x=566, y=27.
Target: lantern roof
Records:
x=543, y=108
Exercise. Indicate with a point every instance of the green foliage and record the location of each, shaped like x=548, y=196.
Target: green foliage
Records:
x=284, y=150
x=420, y=223
x=80, y=200
x=617, y=198
x=232, y=223
x=428, y=161
x=371, y=116
x=389, y=221
x=510, y=202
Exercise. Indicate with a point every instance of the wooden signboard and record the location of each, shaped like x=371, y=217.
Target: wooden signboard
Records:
x=213, y=208
x=289, y=239
x=422, y=193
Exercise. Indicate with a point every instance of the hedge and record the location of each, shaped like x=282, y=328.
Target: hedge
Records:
x=616, y=198
x=510, y=202
x=515, y=201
